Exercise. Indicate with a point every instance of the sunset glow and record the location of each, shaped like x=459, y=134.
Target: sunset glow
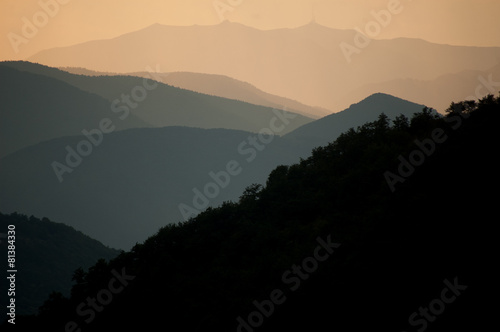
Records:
x=456, y=22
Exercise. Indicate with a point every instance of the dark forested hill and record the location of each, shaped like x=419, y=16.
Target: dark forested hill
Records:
x=387, y=228
x=47, y=254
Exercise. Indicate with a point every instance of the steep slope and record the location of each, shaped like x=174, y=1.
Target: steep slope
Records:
x=306, y=65
x=37, y=108
x=326, y=243
x=164, y=105
x=327, y=129
x=47, y=254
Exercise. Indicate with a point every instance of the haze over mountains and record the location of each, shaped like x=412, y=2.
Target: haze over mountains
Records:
x=34, y=107
x=239, y=168
x=147, y=173
x=436, y=93
x=221, y=86
x=323, y=243
x=307, y=63
x=136, y=180
x=133, y=183
x=264, y=165
x=81, y=102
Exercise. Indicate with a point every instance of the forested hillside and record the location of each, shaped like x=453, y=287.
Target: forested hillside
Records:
x=390, y=227
x=47, y=254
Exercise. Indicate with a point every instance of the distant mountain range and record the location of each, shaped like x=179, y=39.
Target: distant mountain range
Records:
x=221, y=86
x=37, y=108
x=47, y=254
x=219, y=155
x=307, y=63
x=437, y=93
x=42, y=103
x=262, y=141
x=136, y=180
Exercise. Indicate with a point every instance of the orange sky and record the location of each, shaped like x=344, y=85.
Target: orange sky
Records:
x=458, y=22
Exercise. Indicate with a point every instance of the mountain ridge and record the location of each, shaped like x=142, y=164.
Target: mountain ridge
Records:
x=326, y=241
x=48, y=253
x=26, y=121
x=94, y=99
x=146, y=173
x=307, y=65
x=328, y=128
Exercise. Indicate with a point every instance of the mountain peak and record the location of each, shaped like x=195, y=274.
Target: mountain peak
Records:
x=313, y=24
x=234, y=25
x=381, y=98
x=378, y=96
x=327, y=129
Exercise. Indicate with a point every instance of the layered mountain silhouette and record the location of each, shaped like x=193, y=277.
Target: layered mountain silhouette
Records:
x=307, y=63
x=221, y=86
x=37, y=108
x=232, y=164
x=324, y=243
x=467, y=84
x=136, y=180
x=47, y=254
x=42, y=103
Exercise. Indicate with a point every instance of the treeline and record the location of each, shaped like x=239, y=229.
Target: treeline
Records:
x=400, y=231
x=46, y=254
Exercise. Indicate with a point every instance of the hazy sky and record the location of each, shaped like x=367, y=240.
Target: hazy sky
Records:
x=457, y=22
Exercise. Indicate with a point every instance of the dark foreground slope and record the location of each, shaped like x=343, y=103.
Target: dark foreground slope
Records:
x=46, y=254
x=266, y=259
